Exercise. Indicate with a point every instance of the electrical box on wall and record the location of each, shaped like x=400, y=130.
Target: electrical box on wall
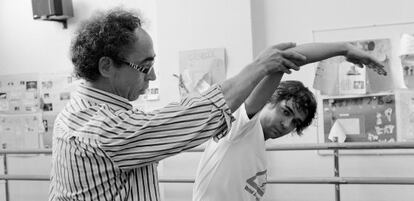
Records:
x=52, y=10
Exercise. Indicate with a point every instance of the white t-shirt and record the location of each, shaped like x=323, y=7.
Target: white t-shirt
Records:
x=234, y=168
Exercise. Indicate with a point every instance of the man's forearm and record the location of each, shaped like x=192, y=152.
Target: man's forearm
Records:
x=239, y=87
x=319, y=51
x=261, y=94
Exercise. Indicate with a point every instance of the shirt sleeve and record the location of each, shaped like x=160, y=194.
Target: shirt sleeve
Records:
x=242, y=124
x=134, y=138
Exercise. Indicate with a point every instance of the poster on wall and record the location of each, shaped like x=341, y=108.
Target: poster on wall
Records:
x=370, y=124
x=29, y=104
x=363, y=118
x=407, y=59
x=384, y=117
x=200, y=69
x=336, y=76
x=19, y=94
x=405, y=117
x=55, y=91
x=21, y=131
x=352, y=79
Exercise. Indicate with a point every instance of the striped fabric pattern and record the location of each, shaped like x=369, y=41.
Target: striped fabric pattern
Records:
x=105, y=150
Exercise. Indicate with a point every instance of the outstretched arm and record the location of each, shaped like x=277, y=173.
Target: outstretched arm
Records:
x=313, y=52
x=272, y=60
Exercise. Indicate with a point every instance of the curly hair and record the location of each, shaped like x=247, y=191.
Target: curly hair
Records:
x=106, y=34
x=302, y=98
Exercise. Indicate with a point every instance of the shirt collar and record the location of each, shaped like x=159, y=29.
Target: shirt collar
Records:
x=98, y=96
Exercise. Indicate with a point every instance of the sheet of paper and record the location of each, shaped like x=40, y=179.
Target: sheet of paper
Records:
x=328, y=75
x=352, y=79
x=338, y=131
x=20, y=131
x=200, y=69
x=405, y=114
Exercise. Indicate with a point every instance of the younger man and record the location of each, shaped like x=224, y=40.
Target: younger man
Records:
x=234, y=168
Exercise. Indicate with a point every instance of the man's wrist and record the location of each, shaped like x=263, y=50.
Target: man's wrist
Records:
x=345, y=48
x=259, y=69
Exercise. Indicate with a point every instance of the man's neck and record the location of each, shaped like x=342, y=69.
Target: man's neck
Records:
x=99, y=84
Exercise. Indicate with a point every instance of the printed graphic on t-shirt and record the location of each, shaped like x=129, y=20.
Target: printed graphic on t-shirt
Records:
x=256, y=185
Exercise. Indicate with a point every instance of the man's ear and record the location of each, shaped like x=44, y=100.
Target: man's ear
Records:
x=106, y=67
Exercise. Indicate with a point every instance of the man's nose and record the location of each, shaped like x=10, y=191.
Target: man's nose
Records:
x=151, y=75
x=286, y=123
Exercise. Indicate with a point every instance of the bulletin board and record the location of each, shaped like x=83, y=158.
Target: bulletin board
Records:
x=369, y=118
x=29, y=104
x=373, y=114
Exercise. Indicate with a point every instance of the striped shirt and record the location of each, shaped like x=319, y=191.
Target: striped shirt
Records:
x=103, y=149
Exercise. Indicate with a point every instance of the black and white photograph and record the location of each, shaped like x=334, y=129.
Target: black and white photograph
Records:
x=207, y=100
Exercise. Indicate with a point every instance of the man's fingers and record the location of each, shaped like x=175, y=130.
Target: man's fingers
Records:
x=287, y=71
x=354, y=61
x=292, y=55
x=284, y=68
x=290, y=65
x=378, y=68
x=284, y=46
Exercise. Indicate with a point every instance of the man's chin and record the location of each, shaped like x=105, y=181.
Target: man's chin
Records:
x=134, y=98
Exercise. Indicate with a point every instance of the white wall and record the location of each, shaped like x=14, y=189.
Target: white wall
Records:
x=197, y=24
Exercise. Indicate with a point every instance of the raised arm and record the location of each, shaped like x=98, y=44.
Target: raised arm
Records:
x=272, y=60
x=313, y=52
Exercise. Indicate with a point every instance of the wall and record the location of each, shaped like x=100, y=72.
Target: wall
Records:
x=33, y=46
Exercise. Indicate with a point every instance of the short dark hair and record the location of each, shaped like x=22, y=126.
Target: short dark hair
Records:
x=302, y=98
x=105, y=34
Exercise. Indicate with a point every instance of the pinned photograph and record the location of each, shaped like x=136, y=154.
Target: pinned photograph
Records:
x=3, y=95
x=31, y=85
x=64, y=96
x=407, y=59
x=48, y=107
x=47, y=84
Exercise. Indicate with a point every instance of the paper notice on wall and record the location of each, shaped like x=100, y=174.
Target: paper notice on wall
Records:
x=20, y=131
x=365, y=118
x=55, y=91
x=405, y=114
x=352, y=79
x=381, y=50
x=407, y=63
x=406, y=44
x=19, y=93
x=326, y=76
x=327, y=73
x=407, y=59
x=200, y=69
x=337, y=131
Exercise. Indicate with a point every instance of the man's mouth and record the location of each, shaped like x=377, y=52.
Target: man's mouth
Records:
x=276, y=133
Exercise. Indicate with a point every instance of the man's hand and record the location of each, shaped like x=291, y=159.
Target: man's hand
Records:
x=361, y=58
x=276, y=59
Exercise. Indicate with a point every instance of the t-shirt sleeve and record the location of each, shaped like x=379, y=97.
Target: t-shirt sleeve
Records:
x=242, y=122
